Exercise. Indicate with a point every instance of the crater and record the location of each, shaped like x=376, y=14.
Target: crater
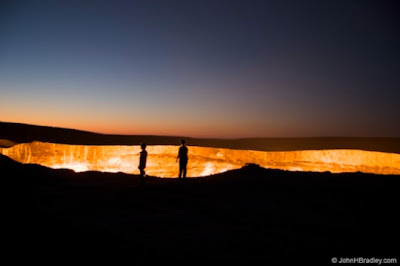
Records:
x=203, y=161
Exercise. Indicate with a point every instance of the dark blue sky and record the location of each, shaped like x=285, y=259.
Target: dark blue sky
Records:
x=203, y=68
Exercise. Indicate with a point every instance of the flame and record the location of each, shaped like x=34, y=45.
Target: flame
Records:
x=203, y=161
x=208, y=169
x=77, y=167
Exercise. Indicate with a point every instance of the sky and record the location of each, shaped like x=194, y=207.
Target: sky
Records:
x=220, y=69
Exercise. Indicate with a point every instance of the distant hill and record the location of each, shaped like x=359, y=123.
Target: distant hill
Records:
x=23, y=133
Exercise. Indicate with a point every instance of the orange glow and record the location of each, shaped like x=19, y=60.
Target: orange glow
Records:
x=202, y=160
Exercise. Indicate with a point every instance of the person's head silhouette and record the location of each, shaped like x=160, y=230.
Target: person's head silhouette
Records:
x=183, y=142
x=143, y=145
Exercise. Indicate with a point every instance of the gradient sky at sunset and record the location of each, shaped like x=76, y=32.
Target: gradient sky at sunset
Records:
x=203, y=68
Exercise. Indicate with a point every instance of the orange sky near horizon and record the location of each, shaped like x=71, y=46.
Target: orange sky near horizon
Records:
x=120, y=128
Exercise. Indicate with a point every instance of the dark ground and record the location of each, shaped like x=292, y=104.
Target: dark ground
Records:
x=247, y=216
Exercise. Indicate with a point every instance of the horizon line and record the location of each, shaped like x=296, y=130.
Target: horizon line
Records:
x=190, y=137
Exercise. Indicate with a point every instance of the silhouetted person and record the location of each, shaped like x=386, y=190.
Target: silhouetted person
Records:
x=183, y=159
x=142, y=163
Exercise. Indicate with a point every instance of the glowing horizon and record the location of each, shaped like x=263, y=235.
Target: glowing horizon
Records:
x=190, y=132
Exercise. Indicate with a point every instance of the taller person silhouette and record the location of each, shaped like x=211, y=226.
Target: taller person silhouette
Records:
x=142, y=163
x=183, y=159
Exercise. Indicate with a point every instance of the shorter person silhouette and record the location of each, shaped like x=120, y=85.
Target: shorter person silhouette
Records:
x=183, y=159
x=142, y=163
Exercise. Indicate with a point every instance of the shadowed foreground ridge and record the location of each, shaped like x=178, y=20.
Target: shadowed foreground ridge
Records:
x=245, y=215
